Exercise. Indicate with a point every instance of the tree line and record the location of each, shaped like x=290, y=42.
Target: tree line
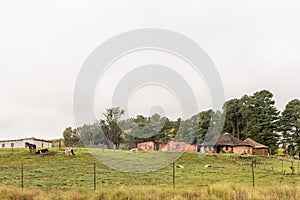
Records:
x=254, y=116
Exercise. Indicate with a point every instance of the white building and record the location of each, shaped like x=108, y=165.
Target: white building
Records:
x=20, y=143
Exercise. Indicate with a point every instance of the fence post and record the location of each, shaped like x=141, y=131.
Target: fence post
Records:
x=298, y=166
x=292, y=168
x=95, y=177
x=253, y=162
x=282, y=166
x=22, y=176
x=174, y=175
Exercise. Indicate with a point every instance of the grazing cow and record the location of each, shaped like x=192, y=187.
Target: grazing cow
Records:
x=42, y=151
x=72, y=152
x=32, y=147
x=69, y=151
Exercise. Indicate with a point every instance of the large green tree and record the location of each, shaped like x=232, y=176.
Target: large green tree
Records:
x=205, y=121
x=71, y=137
x=290, y=127
x=110, y=126
x=91, y=135
x=234, y=117
x=168, y=131
x=262, y=119
x=154, y=128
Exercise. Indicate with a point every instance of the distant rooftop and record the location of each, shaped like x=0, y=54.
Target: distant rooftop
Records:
x=225, y=139
x=255, y=144
x=31, y=138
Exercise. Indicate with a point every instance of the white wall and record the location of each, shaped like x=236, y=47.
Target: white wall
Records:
x=21, y=144
x=39, y=144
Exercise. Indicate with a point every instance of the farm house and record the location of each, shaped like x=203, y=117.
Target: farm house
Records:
x=146, y=146
x=226, y=143
x=20, y=143
x=177, y=146
x=257, y=148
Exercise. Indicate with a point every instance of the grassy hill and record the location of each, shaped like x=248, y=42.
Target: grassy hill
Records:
x=227, y=174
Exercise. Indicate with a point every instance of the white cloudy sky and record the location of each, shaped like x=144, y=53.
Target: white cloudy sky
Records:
x=254, y=44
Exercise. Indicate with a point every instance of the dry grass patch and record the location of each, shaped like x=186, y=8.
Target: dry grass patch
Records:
x=214, y=192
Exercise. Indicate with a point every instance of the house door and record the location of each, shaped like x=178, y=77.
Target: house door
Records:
x=218, y=149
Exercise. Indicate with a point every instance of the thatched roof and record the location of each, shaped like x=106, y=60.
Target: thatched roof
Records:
x=255, y=144
x=225, y=140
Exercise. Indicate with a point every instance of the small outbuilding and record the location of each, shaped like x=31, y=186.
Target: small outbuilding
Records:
x=174, y=146
x=148, y=146
x=20, y=143
x=257, y=148
x=226, y=143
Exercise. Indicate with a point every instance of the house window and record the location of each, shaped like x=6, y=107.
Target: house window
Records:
x=226, y=148
x=12, y=145
x=176, y=146
x=3, y=145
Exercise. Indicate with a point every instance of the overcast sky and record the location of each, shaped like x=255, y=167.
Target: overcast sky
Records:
x=254, y=45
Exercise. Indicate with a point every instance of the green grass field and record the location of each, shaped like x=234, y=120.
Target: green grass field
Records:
x=56, y=171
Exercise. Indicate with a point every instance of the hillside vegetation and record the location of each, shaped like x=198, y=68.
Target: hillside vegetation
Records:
x=251, y=116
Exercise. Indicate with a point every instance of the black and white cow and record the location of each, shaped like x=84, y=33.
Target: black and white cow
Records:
x=69, y=151
x=32, y=147
x=42, y=151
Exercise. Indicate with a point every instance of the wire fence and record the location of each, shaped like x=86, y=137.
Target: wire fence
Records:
x=48, y=176
x=93, y=176
x=278, y=165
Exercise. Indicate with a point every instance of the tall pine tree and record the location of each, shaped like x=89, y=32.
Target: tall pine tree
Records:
x=233, y=120
x=262, y=124
x=290, y=127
